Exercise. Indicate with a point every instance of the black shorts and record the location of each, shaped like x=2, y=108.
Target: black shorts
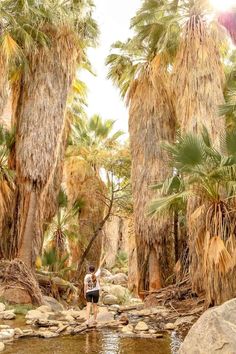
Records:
x=92, y=296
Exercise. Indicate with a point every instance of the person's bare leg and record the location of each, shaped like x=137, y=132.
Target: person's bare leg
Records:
x=95, y=312
x=88, y=311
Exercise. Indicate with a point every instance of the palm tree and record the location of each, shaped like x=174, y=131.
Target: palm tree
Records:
x=92, y=143
x=48, y=40
x=140, y=70
x=207, y=174
x=198, y=85
x=61, y=233
x=93, y=139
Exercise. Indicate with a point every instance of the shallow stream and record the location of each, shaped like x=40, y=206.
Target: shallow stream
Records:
x=105, y=342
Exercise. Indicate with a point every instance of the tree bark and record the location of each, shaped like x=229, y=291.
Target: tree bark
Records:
x=39, y=116
x=26, y=225
x=151, y=121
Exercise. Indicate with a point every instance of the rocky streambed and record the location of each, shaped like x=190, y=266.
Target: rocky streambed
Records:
x=47, y=322
x=133, y=321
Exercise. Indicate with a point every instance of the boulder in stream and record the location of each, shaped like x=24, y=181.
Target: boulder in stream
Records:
x=7, y=334
x=36, y=314
x=8, y=315
x=214, y=332
x=52, y=303
x=141, y=326
x=129, y=329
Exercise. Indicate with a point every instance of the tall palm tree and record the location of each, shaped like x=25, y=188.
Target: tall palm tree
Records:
x=93, y=141
x=140, y=70
x=49, y=40
x=198, y=84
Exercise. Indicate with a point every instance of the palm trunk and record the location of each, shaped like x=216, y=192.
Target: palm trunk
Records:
x=151, y=121
x=39, y=107
x=26, y=226
x=82, y=183
x=40, y=122
x=198, y=89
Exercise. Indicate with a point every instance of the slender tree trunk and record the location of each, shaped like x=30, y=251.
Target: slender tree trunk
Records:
x=27, y=218
x=176, y=236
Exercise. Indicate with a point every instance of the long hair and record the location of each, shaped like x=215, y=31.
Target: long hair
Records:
x=92, y=270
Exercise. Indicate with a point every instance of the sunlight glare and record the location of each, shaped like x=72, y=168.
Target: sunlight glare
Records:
x=223, y=5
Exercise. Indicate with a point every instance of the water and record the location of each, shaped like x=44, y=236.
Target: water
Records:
x=106, y=342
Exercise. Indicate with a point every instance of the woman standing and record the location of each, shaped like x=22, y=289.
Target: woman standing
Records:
x=91, y=290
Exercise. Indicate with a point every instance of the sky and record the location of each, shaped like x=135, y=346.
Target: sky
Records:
x=113, y=17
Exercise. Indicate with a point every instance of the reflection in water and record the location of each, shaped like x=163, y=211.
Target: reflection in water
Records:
x=107, y=342
x=110, y=343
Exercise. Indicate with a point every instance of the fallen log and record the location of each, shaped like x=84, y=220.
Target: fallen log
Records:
x=130, y=308
x=84, y=328
x=46, y=323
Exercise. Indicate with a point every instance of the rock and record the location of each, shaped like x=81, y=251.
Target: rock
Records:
x=27, y=331
x=214, y=332
x=2, y=307
x=115, y=270
x=35, y=314
x=47, y=334
x=73, y=313
x=8, y=315
x=12, y=296
x=141, y=326
x=117, y=279
x=110, y=300
x=127, y=329
x=105, y=273
x=152, y=331
x=18, y=331
x=4, y=327
x=52, y=303
x=114, y=307
x=117, y=290
x=54, y=329
x=6, y=334
x=2, y=346
x=69, y=318
x=135, y=300
x=170, y=326
x=184, y=320
x=124, y=319
x=44, y=308
x=159, y=310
